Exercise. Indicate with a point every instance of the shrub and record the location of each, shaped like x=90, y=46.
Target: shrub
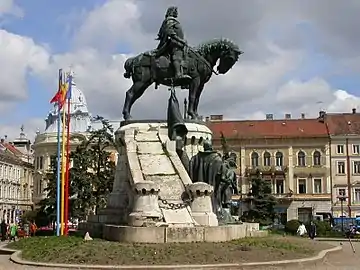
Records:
x=292, y=226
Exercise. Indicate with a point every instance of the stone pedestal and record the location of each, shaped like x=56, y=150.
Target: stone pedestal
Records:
x=201, y=206
x=146, y=211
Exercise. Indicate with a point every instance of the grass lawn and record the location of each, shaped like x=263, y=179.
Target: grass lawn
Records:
x=76, y=250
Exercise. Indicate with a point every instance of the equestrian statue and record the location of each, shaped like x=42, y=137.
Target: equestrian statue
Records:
x=174, y=63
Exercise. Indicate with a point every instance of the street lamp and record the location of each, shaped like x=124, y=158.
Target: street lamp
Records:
x=342, y=198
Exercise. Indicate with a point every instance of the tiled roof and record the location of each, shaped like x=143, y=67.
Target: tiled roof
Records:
x=343, y=123
x=12, y=149
x=289, y=128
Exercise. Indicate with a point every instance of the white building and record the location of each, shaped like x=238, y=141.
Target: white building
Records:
x=45, y=145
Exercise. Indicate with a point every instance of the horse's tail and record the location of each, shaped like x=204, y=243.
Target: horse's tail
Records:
x=128, y=66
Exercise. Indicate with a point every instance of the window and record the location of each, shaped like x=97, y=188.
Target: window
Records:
x=356, y=167
x=279, y=159
x=356, y=149
x=357, y=196
x=302, y=186
x=254, y=159
x=317, y=158
x=301, y=159
x=341, y=167
x=267, y=159
x=304, y=214
x=342, y=192
x=340, y=149
x=279, y=186
x=41, y=162
x=37, y=163
x=317, y=186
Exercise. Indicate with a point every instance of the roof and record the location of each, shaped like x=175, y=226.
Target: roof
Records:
x=343, y=123
x=12, y=149
x=287, y=128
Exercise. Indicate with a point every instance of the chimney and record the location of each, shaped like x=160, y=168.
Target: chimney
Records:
x=207, y=119
x=303, y=116
x=287, y=116
x=269, y=116
x=354, y=110
x=216, y=117
x=322, y=115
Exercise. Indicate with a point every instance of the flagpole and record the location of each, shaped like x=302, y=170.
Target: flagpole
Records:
x=63, y=161
x=66, y=214
x=58, y=187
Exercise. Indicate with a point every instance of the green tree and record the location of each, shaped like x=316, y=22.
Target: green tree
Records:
x=261, y=203
x=91, y=175
x=48, y=204
x=102, y=167
x=81, y=200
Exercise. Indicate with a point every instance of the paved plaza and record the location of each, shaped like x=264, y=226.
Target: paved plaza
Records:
x=344, y=260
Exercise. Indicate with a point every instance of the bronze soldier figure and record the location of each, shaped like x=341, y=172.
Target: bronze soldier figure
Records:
x=171, y=40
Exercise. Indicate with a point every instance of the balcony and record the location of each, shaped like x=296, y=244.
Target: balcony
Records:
x=251, y=170
x=308, y=171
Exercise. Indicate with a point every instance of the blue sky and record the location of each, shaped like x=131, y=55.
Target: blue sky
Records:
x=299, y=56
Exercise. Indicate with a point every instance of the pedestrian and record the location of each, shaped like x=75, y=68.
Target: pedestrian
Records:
x=33, y=228
x=3, y=230
x=312, y=230
x=301, y=231
x=13, y=231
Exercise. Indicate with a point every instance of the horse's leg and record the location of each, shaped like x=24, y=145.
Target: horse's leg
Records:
x=197, y=99
x=194, y=85
x=140, y=83
x=133, y=94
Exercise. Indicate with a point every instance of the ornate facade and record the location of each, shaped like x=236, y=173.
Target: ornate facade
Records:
x=292, y=154
x=45, y=145
x=344, y=131
x=16, y=178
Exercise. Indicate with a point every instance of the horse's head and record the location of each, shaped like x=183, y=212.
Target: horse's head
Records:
x=229, y=55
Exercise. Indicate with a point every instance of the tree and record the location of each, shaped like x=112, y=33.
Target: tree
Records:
x=82, y=200
x=48, y=205
x=261, y=202
x=102, y=167
x=91, y=175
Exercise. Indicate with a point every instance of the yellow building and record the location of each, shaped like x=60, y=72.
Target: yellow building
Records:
x=344, y=131
x=292, y=154
x=16, y=182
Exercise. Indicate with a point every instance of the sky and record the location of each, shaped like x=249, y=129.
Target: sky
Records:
x=299, y=56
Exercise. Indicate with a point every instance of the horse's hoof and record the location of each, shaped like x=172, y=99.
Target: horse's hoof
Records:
x=127, y=117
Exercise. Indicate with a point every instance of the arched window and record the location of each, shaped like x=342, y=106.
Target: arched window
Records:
x=279, y=159
x=267, y=159
x=254, y=159
x=317, y=158
x=301, y=159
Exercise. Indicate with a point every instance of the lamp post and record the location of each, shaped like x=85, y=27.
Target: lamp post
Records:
x=342, y=198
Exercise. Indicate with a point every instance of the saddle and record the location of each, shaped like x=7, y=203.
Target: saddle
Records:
x=159, y=66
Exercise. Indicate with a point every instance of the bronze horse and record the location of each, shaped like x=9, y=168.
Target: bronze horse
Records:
x=145, y=69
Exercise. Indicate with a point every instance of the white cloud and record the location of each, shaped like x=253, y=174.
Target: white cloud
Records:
x=19, y=55
x=264, y=80
x=12, y=130
x=117, y=21
x=9, y=7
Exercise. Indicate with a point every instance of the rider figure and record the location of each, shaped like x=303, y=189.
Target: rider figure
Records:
x=171, y=40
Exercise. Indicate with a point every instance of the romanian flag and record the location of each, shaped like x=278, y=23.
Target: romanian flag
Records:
x=60, y=94
x=68, y=86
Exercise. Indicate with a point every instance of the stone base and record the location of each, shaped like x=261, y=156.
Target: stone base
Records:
x=180, y=235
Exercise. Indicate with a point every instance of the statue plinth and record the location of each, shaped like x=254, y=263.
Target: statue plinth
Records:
x=146, y=211
x=201, y=205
